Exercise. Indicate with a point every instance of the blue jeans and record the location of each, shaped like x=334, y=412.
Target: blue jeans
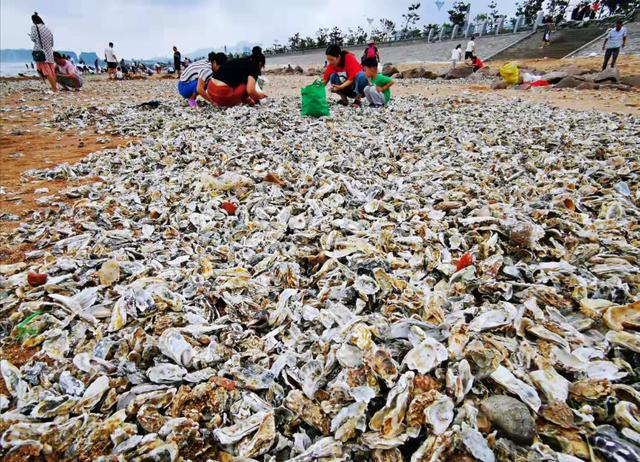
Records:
x=360, y=82
x=187, y=89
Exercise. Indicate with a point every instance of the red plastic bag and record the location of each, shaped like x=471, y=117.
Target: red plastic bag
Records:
x=465, y=260
x=540, y=83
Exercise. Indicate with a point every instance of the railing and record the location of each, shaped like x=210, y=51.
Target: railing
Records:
x=485, y=29
x=438, y=36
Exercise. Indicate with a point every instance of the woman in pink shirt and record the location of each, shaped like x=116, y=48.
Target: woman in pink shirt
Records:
x=66, y=73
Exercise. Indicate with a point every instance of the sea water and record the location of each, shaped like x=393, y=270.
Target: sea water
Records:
x=13, y=69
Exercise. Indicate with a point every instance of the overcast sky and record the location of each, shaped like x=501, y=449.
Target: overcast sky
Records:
x=149, y=28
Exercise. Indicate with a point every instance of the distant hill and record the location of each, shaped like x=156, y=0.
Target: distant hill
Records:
x=23, y=55
x=89, y=57
x=71, y=54
x=15, y=56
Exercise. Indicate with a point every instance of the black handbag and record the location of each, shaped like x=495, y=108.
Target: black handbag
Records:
x=38, y=55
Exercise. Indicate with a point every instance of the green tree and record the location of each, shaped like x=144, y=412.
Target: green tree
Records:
x=427, y=29
x=411, y=17
x=295, y=41
x=322, y=37
x=309, y=42
x=360, y=36
x=558, y=8
x=387, y=29
x=529, y=8
x=458, y=13
x=494, y=16
x=276, y=47
x=336, y=36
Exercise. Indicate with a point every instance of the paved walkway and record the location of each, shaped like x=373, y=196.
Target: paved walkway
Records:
x=408, y=53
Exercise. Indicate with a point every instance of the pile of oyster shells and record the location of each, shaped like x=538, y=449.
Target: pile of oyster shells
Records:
x=449, y=279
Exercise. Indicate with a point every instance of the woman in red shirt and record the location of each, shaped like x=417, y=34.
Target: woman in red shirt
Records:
x=345, y=74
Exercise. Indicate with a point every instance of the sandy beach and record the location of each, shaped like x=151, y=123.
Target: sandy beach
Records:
x=453, y=277
x=27, y=141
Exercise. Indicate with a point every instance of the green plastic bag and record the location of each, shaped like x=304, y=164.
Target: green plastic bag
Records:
x=23, y=329
x=314, y=100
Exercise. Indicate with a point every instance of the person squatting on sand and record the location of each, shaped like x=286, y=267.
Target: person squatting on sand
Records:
x=378, y=93
x=345, y=74
x=194, y=79
x=66, y=73
x=237, y=81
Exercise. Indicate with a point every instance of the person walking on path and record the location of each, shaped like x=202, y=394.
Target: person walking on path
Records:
x=96, y=66
x=615, y=41
x=112, y=61
x=371, y=51
x=176, y=61
x=471, y=49
x=42, y=39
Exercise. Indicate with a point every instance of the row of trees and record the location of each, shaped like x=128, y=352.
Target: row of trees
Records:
x=387, y=30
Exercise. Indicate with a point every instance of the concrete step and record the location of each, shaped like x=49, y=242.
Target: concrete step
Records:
x=563, y=42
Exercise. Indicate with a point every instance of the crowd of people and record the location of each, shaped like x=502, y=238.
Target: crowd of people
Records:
x=230, y=82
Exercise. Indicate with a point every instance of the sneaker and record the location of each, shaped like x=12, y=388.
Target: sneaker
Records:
x=192, y=102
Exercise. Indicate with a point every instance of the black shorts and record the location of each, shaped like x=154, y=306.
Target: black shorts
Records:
x=468, y=55
x=111, y=65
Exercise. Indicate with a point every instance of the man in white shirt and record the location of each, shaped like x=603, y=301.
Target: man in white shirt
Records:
x=112, y=61
x=471, y=49
x=616, y=39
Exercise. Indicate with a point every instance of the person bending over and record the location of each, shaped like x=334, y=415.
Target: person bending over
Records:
x=237, y=81
x=66, y=73
x=345, y=74
x=194, y=79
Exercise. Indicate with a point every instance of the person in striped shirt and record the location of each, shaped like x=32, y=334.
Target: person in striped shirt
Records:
x=194, y=79
x=42, y=39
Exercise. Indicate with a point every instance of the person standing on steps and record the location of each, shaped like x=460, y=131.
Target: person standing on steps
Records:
x=112, y=61
x=615, y=41
x=471, y=50
x=42, y=39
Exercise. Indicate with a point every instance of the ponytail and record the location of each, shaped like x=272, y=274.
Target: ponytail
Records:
x=36, y=19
